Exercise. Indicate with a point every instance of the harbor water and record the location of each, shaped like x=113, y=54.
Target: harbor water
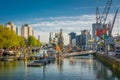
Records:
x=73, y=68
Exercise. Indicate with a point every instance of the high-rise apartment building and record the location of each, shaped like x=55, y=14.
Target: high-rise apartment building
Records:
x=18, y=31
x=11, y=26
x=26, y=31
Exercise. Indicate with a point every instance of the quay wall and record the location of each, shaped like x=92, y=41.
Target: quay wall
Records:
x=110, y=62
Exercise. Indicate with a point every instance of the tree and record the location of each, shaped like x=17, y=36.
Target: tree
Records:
x=21, y=41
x=38, y=43
x=8, y=38
x=32, y=41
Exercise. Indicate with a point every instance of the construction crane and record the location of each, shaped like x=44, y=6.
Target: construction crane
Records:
x=110, y=29
x=111, y=26
x=106, y=11
x=110, y=39
x=101, y=19
x=60, y=42
x=97, y=16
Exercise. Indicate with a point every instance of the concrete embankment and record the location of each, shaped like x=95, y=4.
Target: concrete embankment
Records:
x=110, y=61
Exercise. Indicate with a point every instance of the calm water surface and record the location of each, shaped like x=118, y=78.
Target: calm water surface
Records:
x=74, y=68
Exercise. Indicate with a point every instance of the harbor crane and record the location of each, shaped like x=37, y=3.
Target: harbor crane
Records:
x=110, y=40
x=106, y=30
x=101, y=19
x=111, y=26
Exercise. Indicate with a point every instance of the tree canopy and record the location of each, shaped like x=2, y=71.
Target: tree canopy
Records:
x=21, y=41
x=32, y=41
x=8, y=38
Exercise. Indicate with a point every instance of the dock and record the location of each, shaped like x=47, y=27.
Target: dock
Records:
x=35, y=64
x=41, y=62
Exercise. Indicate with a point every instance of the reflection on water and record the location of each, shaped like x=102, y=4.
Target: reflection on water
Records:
x=25, y=70
x=74, y=68
x=8, y=66
x=59, y=64
x=102, y=72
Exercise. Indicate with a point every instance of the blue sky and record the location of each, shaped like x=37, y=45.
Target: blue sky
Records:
x=71, y=15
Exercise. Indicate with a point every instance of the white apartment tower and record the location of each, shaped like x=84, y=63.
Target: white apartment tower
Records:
x=18, y=31
x=11, y=26
x=26, y=31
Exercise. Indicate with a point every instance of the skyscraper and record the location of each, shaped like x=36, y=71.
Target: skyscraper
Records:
x=26, y=31
x=72, y=36
x=39, y=37
x=50, y=37
x=11, y=26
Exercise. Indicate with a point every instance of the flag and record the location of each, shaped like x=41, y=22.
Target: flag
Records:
x=105, y=36
x=101, y=31
x=97, y=32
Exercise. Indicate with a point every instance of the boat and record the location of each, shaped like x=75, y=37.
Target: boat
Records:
x=34, y=64
x=7, y=59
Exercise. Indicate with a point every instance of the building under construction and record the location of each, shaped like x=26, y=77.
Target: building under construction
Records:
x=60, y=40
x=57, y=40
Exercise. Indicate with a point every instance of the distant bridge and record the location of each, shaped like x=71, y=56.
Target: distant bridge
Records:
x=83, y=53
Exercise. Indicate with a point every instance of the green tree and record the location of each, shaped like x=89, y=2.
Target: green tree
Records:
x=8, y=38
x=37, y=43
x=21, y=41
x=32, y=41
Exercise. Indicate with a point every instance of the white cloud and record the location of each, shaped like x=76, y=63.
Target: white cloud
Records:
x=43, y=26
x=43, y=35
x=65, y=22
